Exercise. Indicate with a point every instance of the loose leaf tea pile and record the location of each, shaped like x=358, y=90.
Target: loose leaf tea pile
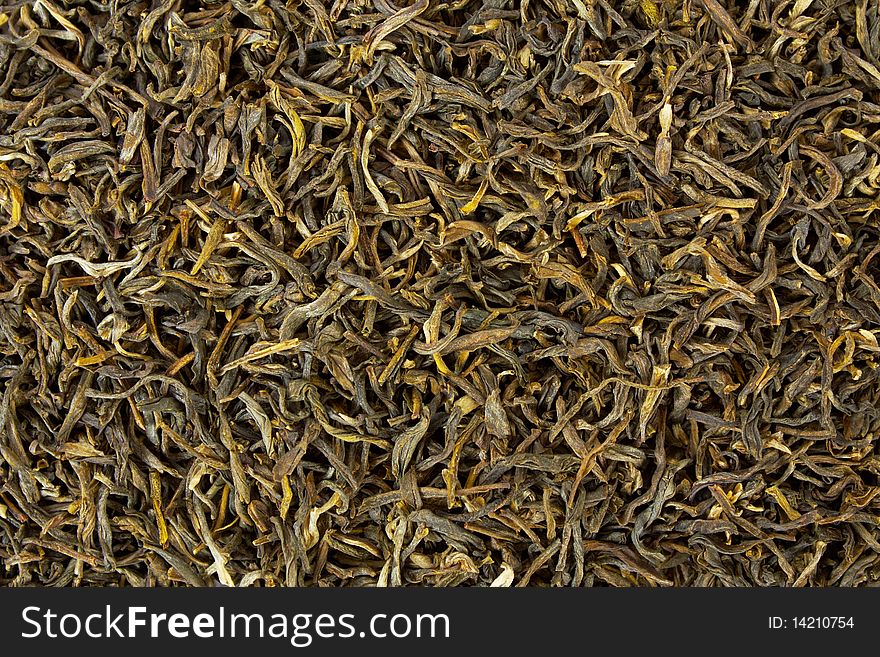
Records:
x=466, y=292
